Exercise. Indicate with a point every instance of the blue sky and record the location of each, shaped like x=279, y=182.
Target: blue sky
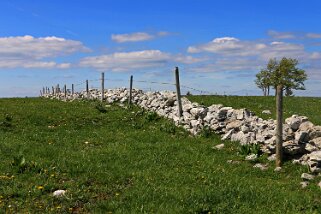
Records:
x=219, y=46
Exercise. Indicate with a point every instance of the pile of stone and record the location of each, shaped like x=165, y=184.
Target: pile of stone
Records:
x=301, y=138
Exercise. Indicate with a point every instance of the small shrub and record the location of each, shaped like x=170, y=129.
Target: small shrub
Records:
x=168, y=128
x=101, y=108
x=255, y=149
x=140, y=113
x=244, y=149
x=206, y=132
x=136, y=125
x=247, y=149
x=6, y=123
x=151, y=116
x=8, y=118
x=22, y=165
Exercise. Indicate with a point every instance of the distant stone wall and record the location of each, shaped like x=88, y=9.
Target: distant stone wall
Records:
x=301, y=137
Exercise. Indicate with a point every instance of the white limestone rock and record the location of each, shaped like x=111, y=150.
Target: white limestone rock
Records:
x=307, y=176
x=266, y=112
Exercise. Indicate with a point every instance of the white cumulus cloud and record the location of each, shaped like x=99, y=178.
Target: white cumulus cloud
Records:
x=127, y=61
x=281, y=35
x=228, y=46
x=233, y=54
x=124, y=61
x=137, y=36
x=313, y=35
x=30, y=52
x=133, y=37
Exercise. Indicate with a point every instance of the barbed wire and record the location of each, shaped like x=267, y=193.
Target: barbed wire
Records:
x=145, y=81
x=198, y=90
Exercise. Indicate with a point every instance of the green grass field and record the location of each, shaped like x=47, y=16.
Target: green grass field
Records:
x=129, y=161
x=307, y=106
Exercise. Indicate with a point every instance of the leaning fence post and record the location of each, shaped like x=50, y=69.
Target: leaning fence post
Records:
x=40, y=93
x=87, y=89
x=178, y=93
x=65, y=90
x=72, y=89
x=102, y=86
x=279, y=125
x=130, y=90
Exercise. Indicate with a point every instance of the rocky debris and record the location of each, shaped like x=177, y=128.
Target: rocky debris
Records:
x=272, y=157
x=277, y=169
x=301, y=137
x=313, y=160
x=233, y=161
x=59, y=193
x=295, y=121
x=261, y=166
x=293, y=148
x=266, y=112
x=251, y=157
x=219, y=146
x=307, y=176
x=304, y=184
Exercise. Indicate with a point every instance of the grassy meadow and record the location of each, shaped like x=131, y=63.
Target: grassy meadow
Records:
x=117, y=160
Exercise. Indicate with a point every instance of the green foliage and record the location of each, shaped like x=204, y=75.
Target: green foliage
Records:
x=284, y=72
x=151, y=116
x=136, y=125
x=247, y=149
x=20, y=163
x=101, y=108
x=244, y=149
x=206, y=132
x=6, y=122
x=169, y=128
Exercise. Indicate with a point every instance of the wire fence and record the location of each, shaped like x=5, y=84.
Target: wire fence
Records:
x=144, y=85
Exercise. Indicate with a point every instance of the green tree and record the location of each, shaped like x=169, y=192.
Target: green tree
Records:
x=284, y=72
x=263, y=78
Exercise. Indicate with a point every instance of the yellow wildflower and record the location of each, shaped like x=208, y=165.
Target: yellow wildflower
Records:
x=40, y=187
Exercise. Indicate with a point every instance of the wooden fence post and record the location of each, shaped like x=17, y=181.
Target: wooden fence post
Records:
x=178, y=93
x=65, y=90
x=130, y=90
x=40, y=93
x=102, y=86
x=87, y=89
x=58, y=89
x=52, y=90
x=279, y=125
x=72, y=89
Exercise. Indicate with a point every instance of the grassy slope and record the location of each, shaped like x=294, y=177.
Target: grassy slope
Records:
x=131, y=164
x=306, y=106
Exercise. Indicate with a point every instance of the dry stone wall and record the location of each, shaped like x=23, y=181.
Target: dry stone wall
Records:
x=301, y=137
